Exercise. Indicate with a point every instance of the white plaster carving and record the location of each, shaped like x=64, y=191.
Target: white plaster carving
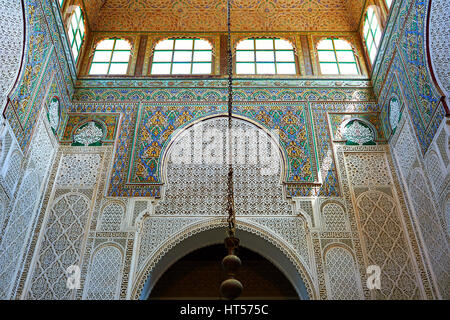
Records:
x=11, y=45
x=78, y=170
x=104, y=274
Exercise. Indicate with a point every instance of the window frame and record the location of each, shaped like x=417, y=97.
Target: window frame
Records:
x=274, y=62
x=110, y=62
x=370, y=33
x=191, y=62
x=76, y=31
x=337, y=62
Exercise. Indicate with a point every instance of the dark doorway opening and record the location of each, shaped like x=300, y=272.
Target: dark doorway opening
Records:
x=199, y=274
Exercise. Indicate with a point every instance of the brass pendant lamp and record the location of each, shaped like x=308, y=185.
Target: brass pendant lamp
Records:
x=231, y=288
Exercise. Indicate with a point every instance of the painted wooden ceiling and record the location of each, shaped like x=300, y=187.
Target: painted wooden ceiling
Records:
x=210, y=15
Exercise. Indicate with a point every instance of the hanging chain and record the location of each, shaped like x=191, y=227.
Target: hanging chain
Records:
x=230, y=194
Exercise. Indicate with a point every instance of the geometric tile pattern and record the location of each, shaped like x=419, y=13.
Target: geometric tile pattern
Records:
x=158, y=123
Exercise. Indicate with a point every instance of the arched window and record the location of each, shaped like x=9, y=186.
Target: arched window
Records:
x=76, y=32
x=265, y=56
x=372, y=33
x=336, y=56
x=182, y=56
x=111, y=57
x=389, y=3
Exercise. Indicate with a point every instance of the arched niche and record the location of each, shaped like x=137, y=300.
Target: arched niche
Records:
x=212, y=231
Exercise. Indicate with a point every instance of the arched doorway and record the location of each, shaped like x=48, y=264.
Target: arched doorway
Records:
x=210, y=232
x=198, y=276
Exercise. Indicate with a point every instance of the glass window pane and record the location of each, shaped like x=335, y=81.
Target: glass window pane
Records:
x=369, y=42
x=374, y=23
x=366, y=28
x=118, y=68
x=74, y=22
x=286, y=68
x=161, y=68
x=265, y=68
x=99, y=68
x=75, y=52
x=282, y=44
x=325, y=44
x=373, y=54
x=200, y=44
x=329, y=68
x=201, y=68
x=164, y=45
x=183, y=44
x=81, y=26
x=327, y=56
x=121, y=56
x=245, y=45
x=122, y=45
x=265, y=56
x=70, y=36
x=182, y=56
x=105, y=45
x=78, y=39
x=378, y=38
x=245, y=68
x=342, y=45
x=181, y=68
x=162, y=56
x=264, y=44
x=285, y=56
x=102, y=56
x=202, y=56
x=348, y=68
x=78, y=12
x=245, y=56
x=345, y=56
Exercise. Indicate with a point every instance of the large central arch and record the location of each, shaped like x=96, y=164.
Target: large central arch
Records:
x=212, y=231
x=191, y=213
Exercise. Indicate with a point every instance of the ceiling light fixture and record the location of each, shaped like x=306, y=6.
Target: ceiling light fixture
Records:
x=231, y=288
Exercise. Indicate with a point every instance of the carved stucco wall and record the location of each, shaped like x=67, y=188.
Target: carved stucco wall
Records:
x=106, y=229
x=21, y=215
x=11, y=45
x=63, y=221
x=196, y=191
x=27, y=142
x=378, y=214
x=113, y=225
x=419, y=143
x=439, y=33
x=425, y=181
x=158, y=223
